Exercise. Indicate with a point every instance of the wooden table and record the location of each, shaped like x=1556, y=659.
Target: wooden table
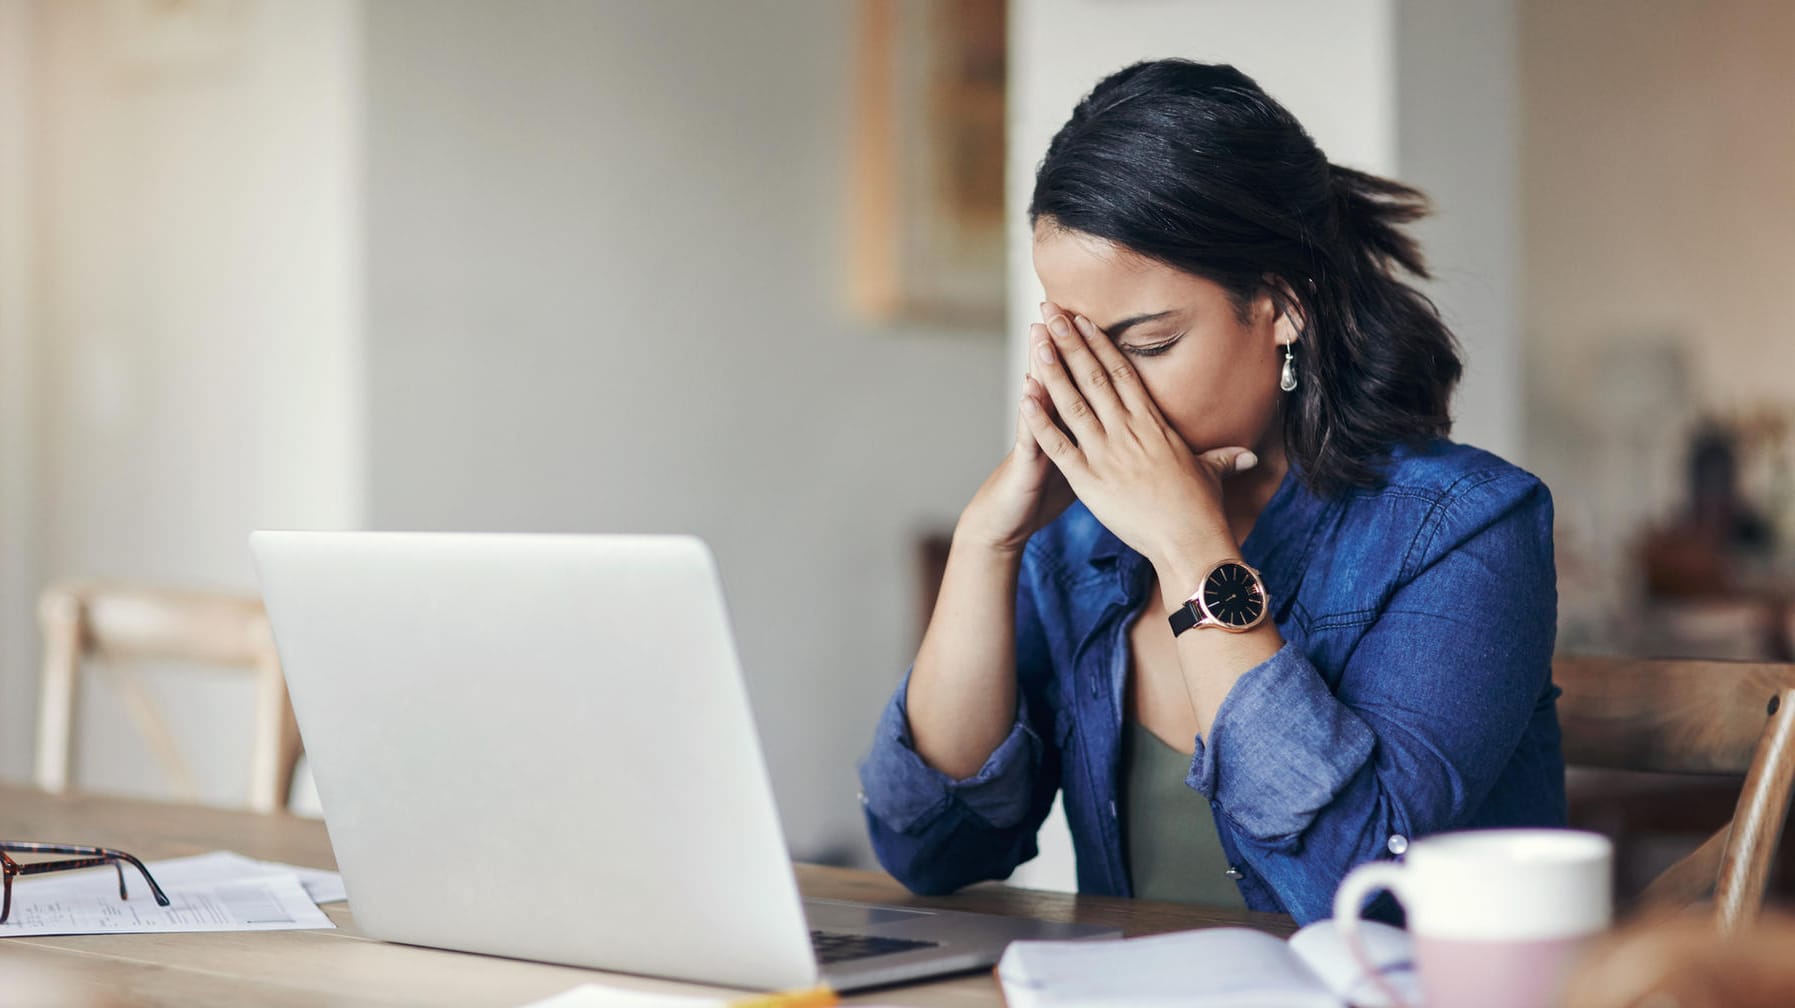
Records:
x=345, y=967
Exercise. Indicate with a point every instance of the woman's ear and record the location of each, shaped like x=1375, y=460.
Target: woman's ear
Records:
x=1291, y=322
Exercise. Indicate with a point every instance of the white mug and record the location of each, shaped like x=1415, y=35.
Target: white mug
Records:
x=1498, y=916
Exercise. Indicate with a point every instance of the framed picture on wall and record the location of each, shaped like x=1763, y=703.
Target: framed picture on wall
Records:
x=928, y=192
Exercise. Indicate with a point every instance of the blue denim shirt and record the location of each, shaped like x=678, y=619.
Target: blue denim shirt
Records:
x=1413, y=693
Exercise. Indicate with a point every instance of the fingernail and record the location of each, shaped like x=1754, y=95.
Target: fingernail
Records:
x=1245, y=461
x=1043, y=308
x=1059, y=326
x=1084, y=324
x=1029, y=405
x=1044, y=353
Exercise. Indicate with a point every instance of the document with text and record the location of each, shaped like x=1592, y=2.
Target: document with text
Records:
x=221, y=892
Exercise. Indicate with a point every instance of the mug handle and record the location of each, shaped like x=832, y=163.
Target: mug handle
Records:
x=1368, y=878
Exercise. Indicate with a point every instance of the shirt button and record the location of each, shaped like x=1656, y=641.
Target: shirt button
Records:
x=1397, y=844
x=1112, y=810
x=1234, y=873
x=1095, y=689
x=863, y=797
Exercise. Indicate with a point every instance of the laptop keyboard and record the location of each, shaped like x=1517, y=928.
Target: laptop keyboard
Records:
x=832, y=947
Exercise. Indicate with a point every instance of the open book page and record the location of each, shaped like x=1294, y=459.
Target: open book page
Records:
x=1211, y=968
x=1322, y=948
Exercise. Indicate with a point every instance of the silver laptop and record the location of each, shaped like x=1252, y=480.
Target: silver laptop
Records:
x=540, y=747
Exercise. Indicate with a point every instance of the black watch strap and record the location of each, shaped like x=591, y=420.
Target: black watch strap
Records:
x=1184, y=617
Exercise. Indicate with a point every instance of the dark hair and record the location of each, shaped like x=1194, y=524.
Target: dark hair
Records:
x=1193, y=165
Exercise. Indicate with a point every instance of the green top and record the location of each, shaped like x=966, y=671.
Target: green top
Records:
x=1174, y=852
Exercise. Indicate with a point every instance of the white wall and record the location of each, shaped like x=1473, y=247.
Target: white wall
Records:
x=18, y=400
x=605, y=268
x=1457, y=94
x=196, y=322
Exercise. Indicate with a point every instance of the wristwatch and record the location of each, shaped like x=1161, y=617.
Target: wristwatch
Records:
x=1231, y=597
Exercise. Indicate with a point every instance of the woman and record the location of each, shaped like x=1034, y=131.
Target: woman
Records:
x=1231, y=591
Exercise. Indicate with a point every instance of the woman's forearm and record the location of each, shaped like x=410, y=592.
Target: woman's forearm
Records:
x=1212, y=660
x=962, y=693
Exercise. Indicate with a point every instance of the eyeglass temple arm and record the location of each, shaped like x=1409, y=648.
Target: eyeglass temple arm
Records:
x=161, y=898
x=102, y=856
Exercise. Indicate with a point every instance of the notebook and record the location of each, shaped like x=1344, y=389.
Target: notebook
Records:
x=1211, y=968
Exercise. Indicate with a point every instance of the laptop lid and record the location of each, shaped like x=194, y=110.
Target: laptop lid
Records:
x=539, y=747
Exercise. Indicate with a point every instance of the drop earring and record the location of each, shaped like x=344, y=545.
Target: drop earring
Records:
x=1287, y=380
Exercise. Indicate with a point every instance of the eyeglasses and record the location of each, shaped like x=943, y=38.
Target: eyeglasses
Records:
x=96, y=857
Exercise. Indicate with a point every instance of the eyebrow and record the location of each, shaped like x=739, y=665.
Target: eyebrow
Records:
x=1116, y=330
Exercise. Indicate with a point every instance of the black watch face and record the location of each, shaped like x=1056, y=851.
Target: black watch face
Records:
x=1233, y=597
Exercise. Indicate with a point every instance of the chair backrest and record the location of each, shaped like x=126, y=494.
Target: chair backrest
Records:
x=121, y=624
x=1693, y=717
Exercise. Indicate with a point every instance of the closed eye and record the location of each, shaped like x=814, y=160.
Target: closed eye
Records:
x=1150, y=349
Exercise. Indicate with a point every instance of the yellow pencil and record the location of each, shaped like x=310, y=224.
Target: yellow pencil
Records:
x=815, y=997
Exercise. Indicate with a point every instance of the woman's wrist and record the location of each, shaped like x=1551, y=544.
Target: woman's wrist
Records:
x=971, y=535
x=1182, y=565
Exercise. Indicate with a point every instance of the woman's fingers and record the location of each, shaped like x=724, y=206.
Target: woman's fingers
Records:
x=1121, y=375
x=1089, y=375
x=1050, y=371
x=1047, y=434
x=1225, y=462
x=1026, y=448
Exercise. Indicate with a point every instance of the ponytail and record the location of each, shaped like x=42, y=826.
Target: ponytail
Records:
x=1371, y=211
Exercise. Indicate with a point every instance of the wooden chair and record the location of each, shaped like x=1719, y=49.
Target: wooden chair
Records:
x=120, y=624
x=1693, y=717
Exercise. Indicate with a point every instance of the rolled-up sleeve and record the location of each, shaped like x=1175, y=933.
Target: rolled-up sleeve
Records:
x=907, y=794
x=1252, y=773
x=1428, y=710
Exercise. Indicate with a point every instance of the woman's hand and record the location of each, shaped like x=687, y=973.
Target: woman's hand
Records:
x=1019, y=498
x=1118, y=453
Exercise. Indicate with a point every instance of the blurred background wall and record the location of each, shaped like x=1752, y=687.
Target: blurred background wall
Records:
x=187, y=325
x=18, y=366
x=1659, y=168
x=585, y=266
